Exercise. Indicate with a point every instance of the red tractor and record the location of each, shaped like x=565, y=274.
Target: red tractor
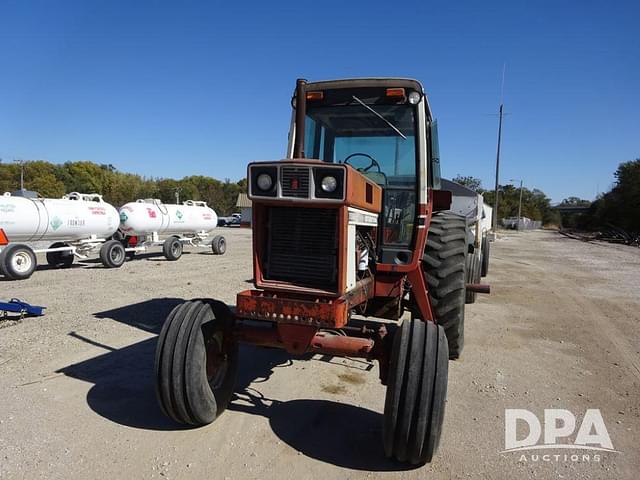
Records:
x=350, y=232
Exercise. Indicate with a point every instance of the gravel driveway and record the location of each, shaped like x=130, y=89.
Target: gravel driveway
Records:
x=560, y=330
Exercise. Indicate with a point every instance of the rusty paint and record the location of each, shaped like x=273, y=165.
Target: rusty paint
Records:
x=299, y=339
x=302, y=309
x=296, y=338
x=341, y=345
x=388, y=285
x=420, y=294
x=306, y=310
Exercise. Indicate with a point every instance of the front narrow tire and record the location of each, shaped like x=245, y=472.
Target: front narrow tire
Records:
x=416, y=392
x=196, y=362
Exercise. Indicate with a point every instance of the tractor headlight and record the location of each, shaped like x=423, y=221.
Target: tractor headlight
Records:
x=414, y=97
x=264, y=181
x=329, y=184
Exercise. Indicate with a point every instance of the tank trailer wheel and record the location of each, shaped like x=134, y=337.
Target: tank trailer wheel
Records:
x=172, y=249
x=60, y=259
x=219, y=245
x=112, y=254
x=196, y=362
x=444, y=266
x=416, y=392
x=473, y=274
x=486, y=247
x=17, y=261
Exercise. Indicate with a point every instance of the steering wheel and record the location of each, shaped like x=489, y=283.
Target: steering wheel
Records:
x=373, y=163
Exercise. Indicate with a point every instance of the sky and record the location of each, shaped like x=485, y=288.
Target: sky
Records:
x=169, y=89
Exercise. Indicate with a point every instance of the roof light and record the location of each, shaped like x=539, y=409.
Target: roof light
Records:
x=395, y=92
x=315, y=95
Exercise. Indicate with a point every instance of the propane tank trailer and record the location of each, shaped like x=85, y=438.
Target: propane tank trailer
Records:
x=143, y=221
x=77, y=224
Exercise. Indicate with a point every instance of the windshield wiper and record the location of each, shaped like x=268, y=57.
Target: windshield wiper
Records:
x=379, y=116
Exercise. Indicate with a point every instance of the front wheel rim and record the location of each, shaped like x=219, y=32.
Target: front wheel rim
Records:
x=21, y=262
x=217, y=360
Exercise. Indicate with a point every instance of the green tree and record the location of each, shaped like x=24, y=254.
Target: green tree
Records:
x=473, y=183
x=118, y=188
x=535, y=204
x=620, y=206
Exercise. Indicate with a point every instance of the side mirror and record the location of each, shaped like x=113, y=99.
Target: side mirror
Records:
x=441, y=200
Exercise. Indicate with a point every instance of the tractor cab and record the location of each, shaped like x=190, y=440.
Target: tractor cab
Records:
x=383, y=129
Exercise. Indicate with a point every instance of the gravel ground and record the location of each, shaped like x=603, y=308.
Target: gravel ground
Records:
x=560, y=330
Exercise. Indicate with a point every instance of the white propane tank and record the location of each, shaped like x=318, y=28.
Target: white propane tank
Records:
x=145, y=217
x=73, y=217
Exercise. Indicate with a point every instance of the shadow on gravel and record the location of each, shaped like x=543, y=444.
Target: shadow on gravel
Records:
x=123, y=389
x=148, y=316
x=124, y=392
x=332, y=432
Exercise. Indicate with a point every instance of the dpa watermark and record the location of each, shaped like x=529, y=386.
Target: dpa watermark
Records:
x=556, y=432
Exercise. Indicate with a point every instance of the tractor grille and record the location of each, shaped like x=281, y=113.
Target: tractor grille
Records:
x=295, y=182
x=302, y=247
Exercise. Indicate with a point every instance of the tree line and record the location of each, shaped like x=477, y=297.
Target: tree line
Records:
x=619, y=207
x=54, y=180
x=535, y=203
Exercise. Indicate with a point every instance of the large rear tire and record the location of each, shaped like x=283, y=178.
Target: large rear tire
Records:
x=444, y=268
x=486, y=249
x=416, y=392
x=196, y=362
x=472, y=274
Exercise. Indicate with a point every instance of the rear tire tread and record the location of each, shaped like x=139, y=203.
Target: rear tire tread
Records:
x=445, y=274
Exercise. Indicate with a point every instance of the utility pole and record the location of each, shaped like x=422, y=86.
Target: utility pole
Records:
x=177, y=192
x=500, y=115
x=21, y=163
x=495, y=202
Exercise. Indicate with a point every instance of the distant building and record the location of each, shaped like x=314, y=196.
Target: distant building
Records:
x=244, y=204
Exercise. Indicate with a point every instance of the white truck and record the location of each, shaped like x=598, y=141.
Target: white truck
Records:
x=469, y=203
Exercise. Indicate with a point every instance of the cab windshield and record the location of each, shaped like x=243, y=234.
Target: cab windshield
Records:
x=355, y=135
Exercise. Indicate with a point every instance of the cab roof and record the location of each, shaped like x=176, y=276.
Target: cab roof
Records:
x=379, y=82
